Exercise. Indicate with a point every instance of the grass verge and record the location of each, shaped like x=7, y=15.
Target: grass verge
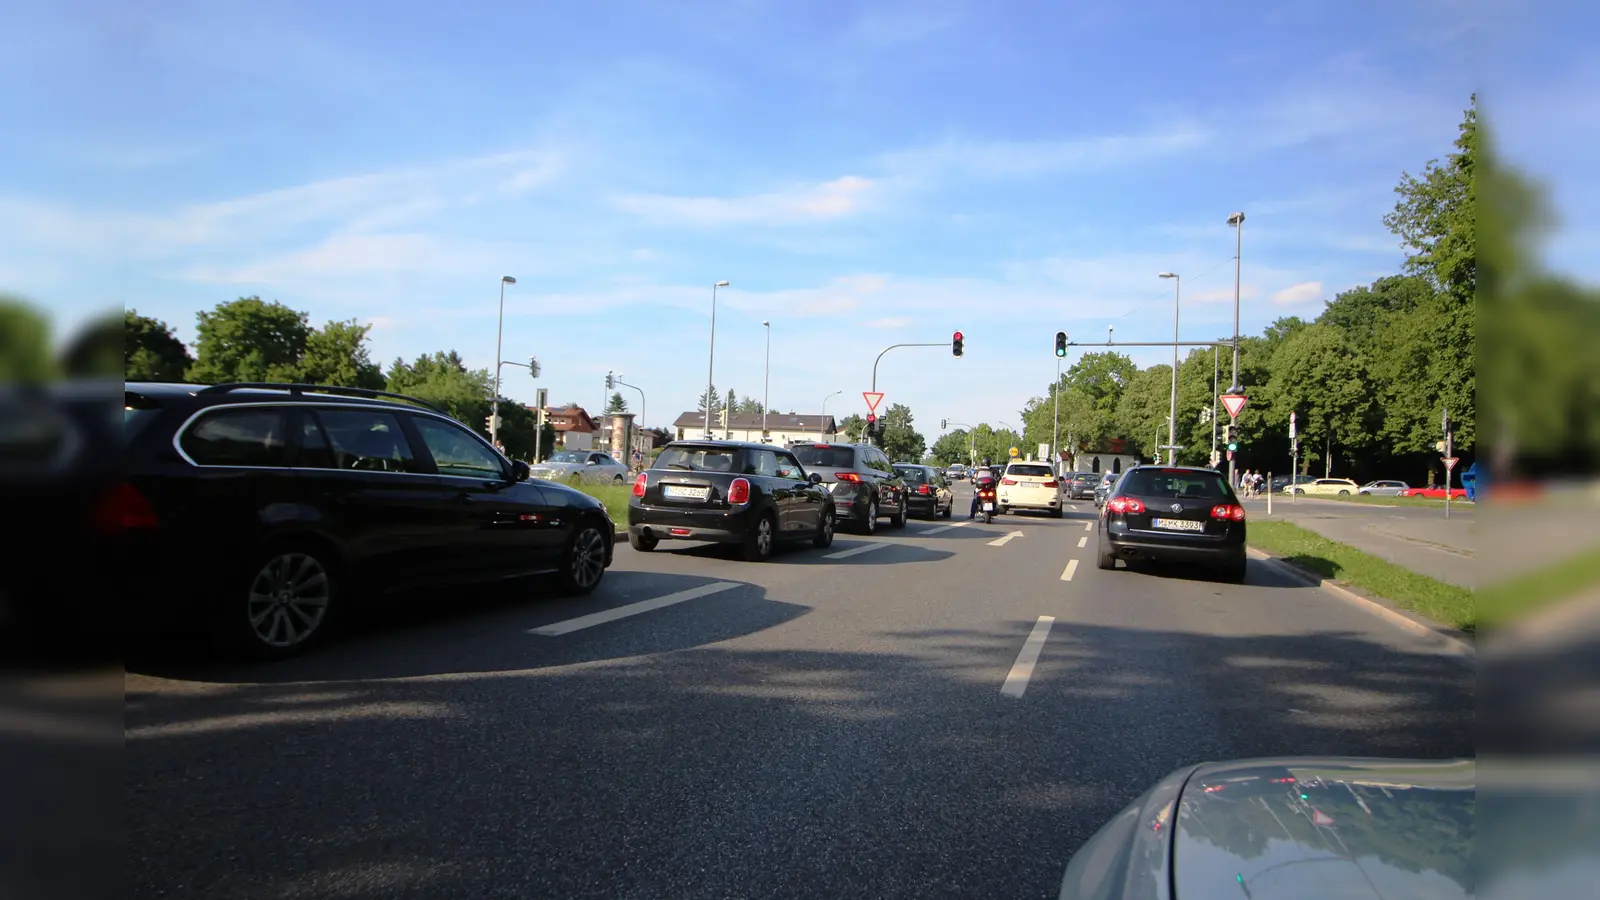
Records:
x=614, y=496
x=1377, y=501
x=1307, y=550
x=1522, y=594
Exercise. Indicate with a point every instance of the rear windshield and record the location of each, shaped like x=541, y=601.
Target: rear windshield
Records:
x=913, y=475
x=1089, y=476
x=697, y=459
x=1030, y=471
x=1178, y=485
x=825, y=457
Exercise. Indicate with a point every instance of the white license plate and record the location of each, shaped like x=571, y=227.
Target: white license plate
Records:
x=988, y=507
x=679, y=492
x=1179, y=524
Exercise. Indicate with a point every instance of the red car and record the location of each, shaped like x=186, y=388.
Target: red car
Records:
x=1434, y=493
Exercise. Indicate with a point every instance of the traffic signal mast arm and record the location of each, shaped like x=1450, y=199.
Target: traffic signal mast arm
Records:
x=893, y=347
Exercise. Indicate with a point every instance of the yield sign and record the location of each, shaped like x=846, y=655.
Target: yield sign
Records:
x=873, y=398
x=1321, y=818
x=1450, y=462
x=1233, y=403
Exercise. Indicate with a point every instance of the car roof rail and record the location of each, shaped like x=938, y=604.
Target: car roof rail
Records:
x=301, y=390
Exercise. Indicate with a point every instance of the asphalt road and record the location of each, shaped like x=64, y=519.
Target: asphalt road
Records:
x=854, y=722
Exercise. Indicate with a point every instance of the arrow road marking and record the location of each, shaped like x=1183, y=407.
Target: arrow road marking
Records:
x=943, y=528
x=1071, y=570
x=1001, y=542
x=632, y=609
x=855, y=551
x=1022, y=669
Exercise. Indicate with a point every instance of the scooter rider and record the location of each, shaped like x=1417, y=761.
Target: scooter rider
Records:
x=984, y=479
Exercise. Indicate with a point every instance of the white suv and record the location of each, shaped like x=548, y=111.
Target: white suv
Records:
x=1030, y=486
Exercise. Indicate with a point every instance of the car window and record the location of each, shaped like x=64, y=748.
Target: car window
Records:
x=697, y=459
x=825, y=456
x=789, y=467
x=761, y=462
x=566, y=456
x=456, y=452
x=1175, y=484
x=912, y=474
x=239, y=437
x=1029, y=471
x=600, y=459
x=367, y=440
x=880, y=461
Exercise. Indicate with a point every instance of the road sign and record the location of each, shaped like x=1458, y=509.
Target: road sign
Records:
x=1044, y=451
x=873, y=398
x=1291, y=426
x=1450, y=462
x=1321, y=818
x=1014, y=453
x=1233, y=403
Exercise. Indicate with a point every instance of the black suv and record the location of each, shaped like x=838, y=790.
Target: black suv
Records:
x=261, y=510
x=863, y=481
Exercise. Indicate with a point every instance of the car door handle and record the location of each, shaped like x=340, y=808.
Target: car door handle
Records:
x=466, y=498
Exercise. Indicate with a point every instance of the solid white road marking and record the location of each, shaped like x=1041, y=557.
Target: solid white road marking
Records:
x=632, y=609
x=1082, y=541
x=1088, y=526
x=943, y=528
x=1001, y=542
x=1070, y=570
x=855, y=551
x=1072, y=506
x=1022, y=669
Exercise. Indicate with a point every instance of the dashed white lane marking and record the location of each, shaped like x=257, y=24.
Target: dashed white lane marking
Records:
x=855, y=551
x=1022, y=669
x=1070, y=570
x=1072, y=506
x=1088, y=526
x=632, y=609
x=1082, y=541
x=943, y=528
x=1001, y=542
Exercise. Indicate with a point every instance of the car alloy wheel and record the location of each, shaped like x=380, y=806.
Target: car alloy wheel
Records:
x=872, y=516
x=758, y=543
x=586, y=562
x=288, y=600
x=824, y=536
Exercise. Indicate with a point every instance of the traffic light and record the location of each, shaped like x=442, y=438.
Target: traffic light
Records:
x=1061, y=343
x=955, y=344
x=611, y=382
x=944, y=424
x=1230, y=436
x=533, y=366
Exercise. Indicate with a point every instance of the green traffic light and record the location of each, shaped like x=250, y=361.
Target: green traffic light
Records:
x=1233, y=447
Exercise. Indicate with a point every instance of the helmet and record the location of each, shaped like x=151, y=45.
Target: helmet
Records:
x=986, y=461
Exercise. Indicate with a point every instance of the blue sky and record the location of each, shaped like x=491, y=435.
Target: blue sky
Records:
x=863, y=173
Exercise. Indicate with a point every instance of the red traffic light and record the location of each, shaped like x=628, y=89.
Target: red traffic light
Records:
x=956, y=336
x=871, y=418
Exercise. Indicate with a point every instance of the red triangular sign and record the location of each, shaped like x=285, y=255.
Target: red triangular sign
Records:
x=1450, y=462
x=1321, y=818
x=873, y=398
x=1233, y=403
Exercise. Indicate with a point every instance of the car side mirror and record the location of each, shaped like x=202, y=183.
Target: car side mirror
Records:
x=590, y=463
x=814, y=478
x=519, y=470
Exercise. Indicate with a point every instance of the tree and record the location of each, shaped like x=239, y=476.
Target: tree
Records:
x=716, y=403
x=901, y=441
x=749, y=406
x=443, y=379
x=151, y=352
x=1142, y=410
x=1323, y=378
x=731, y=402
x=24, y=343
x=852, y=428
x=952, y=448
x=249, y=340
x=336, y=354
x=617, y=404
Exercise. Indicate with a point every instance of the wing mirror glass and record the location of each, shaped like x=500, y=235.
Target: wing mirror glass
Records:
x=519, y=470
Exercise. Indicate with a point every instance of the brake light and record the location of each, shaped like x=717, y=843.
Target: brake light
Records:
x=820, y=446
x=639, y=484
x=1008, y=481
x=851, y=477
x=1125, y=506
x=1051, y=484
x=1228, y=512
x=739, y=491
x=922, y=489
x=123, y=509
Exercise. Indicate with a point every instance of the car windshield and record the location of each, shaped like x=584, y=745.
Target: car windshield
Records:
x=1030, y=471
x=912, y=474
x=826, y=457
x=697, y=459
x=1177, y=484
x=569, y=456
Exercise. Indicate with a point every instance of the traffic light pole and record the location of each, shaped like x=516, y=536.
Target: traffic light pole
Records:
x=880, y=359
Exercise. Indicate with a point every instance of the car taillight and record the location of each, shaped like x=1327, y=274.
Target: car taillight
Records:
x=123, y=509
x=639, y=484
x=1125, y=505
x=1051, y=484
x=1008, y=481
x=1228, y=512
x=923, y=489
x=851, y=477
x=739, y=491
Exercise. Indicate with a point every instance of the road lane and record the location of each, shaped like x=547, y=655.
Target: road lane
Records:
x=828, y=727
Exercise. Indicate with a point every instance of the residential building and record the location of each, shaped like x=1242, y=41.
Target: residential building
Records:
x=573, y=426
x=1110, y=456
x=782, y=428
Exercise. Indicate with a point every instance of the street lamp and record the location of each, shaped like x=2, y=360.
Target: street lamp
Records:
x=1236, y=221
x=1172, y=417
x=711, y=358
x=499, y=336
x=825, y=405
x=766, y=382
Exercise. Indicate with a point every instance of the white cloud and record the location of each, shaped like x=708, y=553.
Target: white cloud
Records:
x=1304, y=292
x=826, y=200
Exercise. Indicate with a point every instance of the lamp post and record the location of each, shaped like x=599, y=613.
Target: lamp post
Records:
x=1237, y=221
x=711, y=357
x=1172, y=416
x=825, y=406
x=499, y=337
x=766, y=380
x=1214, y=365
x=1055, y=421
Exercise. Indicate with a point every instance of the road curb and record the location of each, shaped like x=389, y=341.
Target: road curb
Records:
x=1454, y=642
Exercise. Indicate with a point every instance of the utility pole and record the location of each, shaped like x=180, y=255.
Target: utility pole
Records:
x=1237, y=221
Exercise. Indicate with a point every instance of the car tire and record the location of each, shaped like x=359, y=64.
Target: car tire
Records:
x=643, y=543
x=761, y=538
x=1344, y=493
x=949, y=510
x=869, y=525
x=1366, y=493
x=824, y=538
x=1299, y=493
x=1057, y=513
x=583, y=566
x=617, y=480
x=898, y=520
x=1104, y=557
x=1234, y=572
x=293, y=586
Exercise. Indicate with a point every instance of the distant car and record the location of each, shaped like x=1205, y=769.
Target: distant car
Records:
x=1383, y=488
x=729, y=492
x=590, y=466
x=1434, y=493
x=1080, y=485
x=1341, y=487
x=956, y=472
x=864, y=484
x=927, y=493
x=1177, y=514
x=1103, y=489
x=1279, y=482
x=1030, y=486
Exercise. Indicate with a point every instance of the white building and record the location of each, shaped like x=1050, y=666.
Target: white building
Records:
x=782, y=428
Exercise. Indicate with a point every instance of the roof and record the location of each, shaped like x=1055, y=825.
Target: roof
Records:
x=752, y=422
x=741, y=445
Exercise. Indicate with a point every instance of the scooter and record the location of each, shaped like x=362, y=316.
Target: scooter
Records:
x=986, y=504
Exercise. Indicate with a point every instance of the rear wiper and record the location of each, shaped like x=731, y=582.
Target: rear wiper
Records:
x=684, y=466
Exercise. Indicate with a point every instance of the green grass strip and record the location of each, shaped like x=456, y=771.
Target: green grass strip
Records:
x=1525, y=592
x=614, y=496
x=1307, y=550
